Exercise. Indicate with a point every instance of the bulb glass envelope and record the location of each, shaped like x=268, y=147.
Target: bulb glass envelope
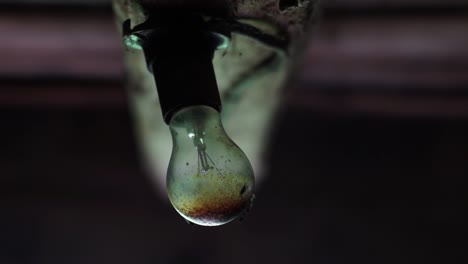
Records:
x=209, y=179
x=249, y=73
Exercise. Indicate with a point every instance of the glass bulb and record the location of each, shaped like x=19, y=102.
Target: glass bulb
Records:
x=210, y=181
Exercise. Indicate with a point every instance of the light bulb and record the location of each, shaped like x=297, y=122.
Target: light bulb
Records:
x=210, y=181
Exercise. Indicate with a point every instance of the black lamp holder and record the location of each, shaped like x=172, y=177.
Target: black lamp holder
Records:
x=179, y=49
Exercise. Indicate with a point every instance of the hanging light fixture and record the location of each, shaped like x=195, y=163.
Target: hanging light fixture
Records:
x=209, y=179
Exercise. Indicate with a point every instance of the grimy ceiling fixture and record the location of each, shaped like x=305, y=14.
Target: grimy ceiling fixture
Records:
x=210, y=181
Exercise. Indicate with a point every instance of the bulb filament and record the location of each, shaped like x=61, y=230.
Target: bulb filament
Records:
x=205, y=163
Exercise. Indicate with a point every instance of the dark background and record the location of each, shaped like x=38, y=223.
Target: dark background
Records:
x=367, y=164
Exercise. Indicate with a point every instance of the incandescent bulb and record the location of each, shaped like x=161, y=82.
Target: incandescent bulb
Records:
x=210, y=181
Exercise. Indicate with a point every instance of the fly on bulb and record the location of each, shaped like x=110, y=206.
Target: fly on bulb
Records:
x=210, y=181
